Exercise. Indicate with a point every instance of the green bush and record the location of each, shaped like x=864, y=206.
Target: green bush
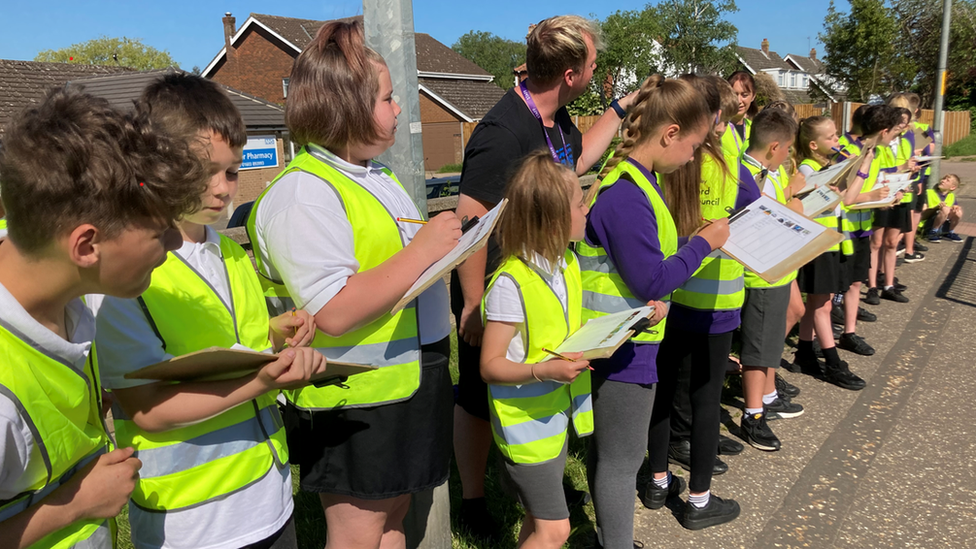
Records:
x=964, y=147
x=449, y=168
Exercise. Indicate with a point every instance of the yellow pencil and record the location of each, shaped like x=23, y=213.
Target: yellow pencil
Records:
x=408, y=220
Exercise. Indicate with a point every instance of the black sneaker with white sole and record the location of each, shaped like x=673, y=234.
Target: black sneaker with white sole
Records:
x=782, y=409
x=914, y=258
x=756, y=432
x=718, y=511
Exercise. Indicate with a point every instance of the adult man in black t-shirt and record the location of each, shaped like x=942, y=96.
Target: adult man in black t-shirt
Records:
x=560, y=58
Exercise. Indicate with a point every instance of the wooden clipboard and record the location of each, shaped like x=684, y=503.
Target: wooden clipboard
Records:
x=218, y=363
x=617, y=332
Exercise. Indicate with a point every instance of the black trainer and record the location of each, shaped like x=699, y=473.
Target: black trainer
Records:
x=914, y=258
x=855, y=344
x=842, y=376
x=718, y=511
x=894, y=294
x=782, y=409
x=654, y=498
x=728, y=447
x=756, y=432
x=837, y=315
x=919, y=247
x=808, y=364
x=872, y=298
x=679, y=453
x=864, y=315
x=786, y=388
x=475, y=519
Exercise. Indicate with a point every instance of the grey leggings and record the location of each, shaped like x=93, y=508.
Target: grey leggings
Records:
x=621, y=417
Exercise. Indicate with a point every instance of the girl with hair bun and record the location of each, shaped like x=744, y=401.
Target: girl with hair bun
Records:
x=630, y=256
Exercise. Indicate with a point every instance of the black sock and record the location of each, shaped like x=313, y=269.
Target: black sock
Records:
x=804, y=348
x=830, y=355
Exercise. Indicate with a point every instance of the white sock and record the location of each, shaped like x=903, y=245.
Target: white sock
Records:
x=699, y=501
x=753, y=411
x=768, y=399
x=889, y=287
x=663, y=483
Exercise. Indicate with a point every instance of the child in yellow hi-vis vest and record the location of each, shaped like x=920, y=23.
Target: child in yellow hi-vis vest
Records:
x=91, y=196
x=533, y=397
x=942, y=214
x=215, y=463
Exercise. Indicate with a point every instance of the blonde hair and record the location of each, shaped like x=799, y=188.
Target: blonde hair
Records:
x=538, y=217
x=899, y=100
x=332, y=89
x=659, y=101
x=557, y=44
x=808, y=131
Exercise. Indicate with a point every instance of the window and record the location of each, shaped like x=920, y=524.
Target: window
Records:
x=779, y=79
x=792, y=79
x=284, y=87
x=806, y=82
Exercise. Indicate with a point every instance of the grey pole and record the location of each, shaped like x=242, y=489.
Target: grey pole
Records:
x=940, y=91
x=389, y=31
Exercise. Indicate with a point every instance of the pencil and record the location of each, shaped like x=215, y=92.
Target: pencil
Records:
x=563, y=357
x=292, y=311
x=408, y=220
x=840, y=152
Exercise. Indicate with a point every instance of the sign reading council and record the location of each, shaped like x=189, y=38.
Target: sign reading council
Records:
x=260, y=152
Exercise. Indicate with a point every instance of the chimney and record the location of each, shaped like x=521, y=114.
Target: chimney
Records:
x=813, y=54
x=765, y=47
x=230, y=25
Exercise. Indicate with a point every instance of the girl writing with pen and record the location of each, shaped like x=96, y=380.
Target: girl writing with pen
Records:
x=631, y=256
x=533, y=302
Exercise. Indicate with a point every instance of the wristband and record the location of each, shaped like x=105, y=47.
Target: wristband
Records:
x=618, y=109
x=862, y=175
x=532, y=371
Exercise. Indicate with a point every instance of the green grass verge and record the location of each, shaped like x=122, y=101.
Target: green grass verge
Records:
x=964, y=147
x=449, y=168
x=310, y=521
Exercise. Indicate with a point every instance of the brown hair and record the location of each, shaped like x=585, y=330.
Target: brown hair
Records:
x=770, y=126
x=914, y=104
x=332, y=89
x=784, y=106
x=899, y=100
x=728, y=102
x=659, y=101
x=183, y=105
x=538, y=217
x=73, y=160
x=749, y=83
x=683, y=188
x=557, y=44
x=807, y=131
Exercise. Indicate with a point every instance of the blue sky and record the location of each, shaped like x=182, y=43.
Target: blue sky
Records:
x=192, y=32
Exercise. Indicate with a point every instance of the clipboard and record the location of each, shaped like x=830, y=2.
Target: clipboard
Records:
x=473, y=239
x=820, y=200
x=602, y=336
x=217, y=363
x=922, y=140
x=840, y=175
x=772, y=240
x=899, y=182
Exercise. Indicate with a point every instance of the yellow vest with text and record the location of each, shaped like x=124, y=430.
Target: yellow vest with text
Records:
x=195, y=464
x=530, y=422
x=753, y=280
x=604, y=291
x=718, y=285
x=63, y=410
x=391, y=342
x=827, y=218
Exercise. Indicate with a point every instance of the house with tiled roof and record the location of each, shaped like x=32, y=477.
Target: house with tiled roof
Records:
x=25, y=83
x=263, y=121
x=794, y=75
x=257, y=58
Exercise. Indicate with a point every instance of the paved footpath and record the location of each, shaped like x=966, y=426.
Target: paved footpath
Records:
x=889, y=466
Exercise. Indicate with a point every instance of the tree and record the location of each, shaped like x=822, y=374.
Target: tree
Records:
x=767, y=90
x=495, y=54
x=862, y=50
x=696, y=37
x=630, y=53
x=127, y=52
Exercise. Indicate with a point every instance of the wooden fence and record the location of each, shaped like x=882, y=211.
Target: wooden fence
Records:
x=956, y=122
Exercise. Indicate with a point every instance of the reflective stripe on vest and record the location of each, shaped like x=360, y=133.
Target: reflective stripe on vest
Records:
x=732, y=145
x=62, y=409
x=604, y=291
x=752, y=280
x=905, y=153
x=529, y=422
x=391, y=342
x=197, y=463
x=718, y=285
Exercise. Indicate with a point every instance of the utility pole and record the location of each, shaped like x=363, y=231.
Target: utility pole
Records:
x=940, y=91
x=389, y=31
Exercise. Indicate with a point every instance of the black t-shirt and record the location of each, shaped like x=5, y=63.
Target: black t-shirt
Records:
x=504, y=136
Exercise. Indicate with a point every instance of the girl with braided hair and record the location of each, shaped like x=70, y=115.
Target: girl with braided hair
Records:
x=631, y=256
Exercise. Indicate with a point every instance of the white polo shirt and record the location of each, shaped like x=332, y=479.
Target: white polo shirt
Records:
x=307, y=242
x=126, y=342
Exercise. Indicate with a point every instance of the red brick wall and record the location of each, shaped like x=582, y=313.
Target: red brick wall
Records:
x=261, y=63
x=432, y=111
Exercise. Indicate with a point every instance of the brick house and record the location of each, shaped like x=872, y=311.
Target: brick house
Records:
x=794, y=75
x=257, y=58
x=262, y=119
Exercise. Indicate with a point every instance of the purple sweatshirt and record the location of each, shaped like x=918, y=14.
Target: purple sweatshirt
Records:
x=623, y=223
x=716, y=322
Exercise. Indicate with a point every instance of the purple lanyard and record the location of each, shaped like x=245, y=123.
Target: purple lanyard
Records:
x=535, y=112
